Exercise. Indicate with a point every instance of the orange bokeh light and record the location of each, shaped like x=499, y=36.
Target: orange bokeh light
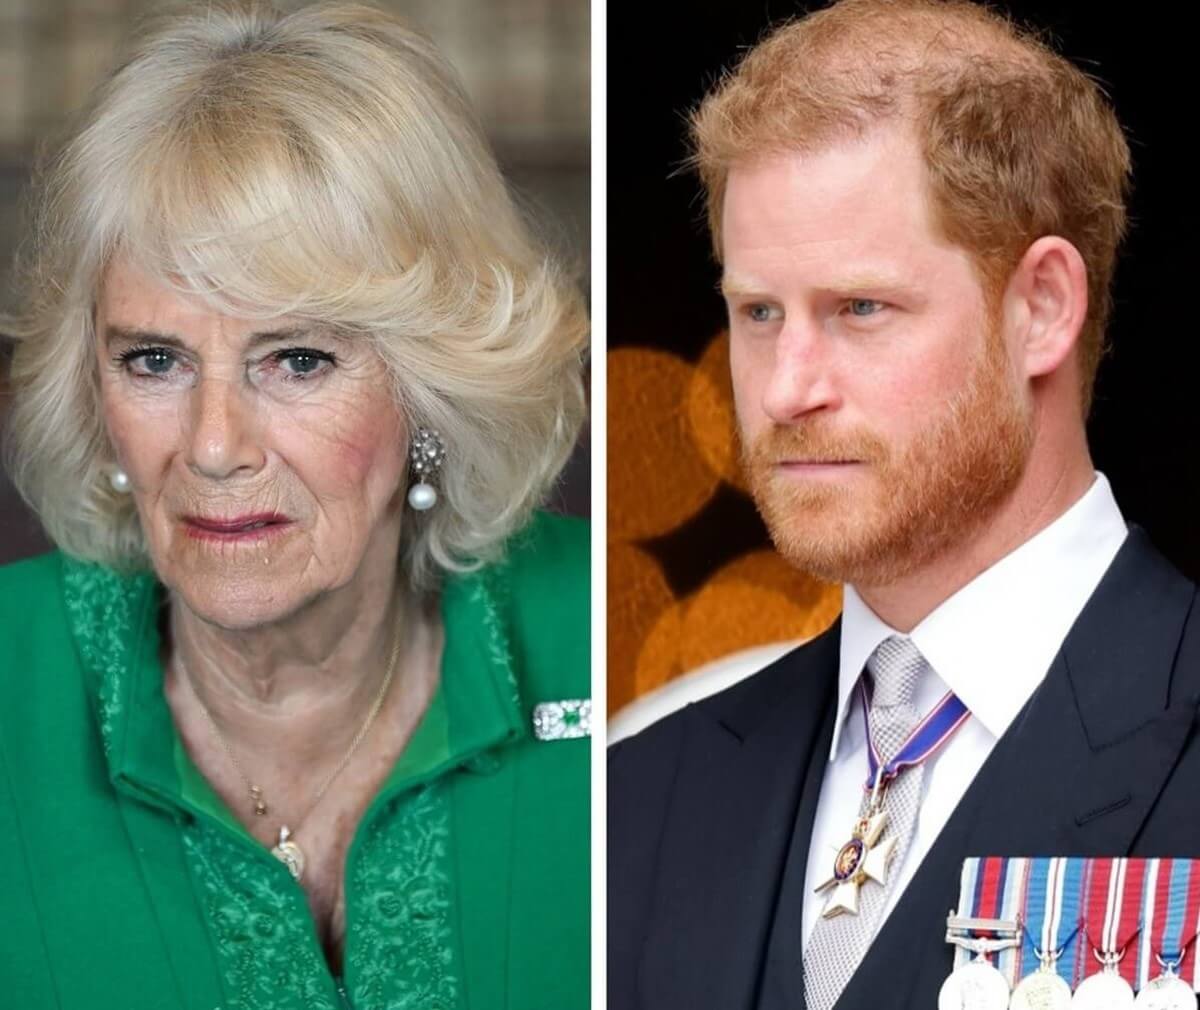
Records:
x=657, y=477
x=711, y=415
x=637, y=594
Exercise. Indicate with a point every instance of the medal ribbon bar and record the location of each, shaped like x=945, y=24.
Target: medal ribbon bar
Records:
x=1113, y=916
x=1171, y=908
x=1076, y=907
x=1051, y=913
x=992, y=888
x=980, y=936
x=1170, y=912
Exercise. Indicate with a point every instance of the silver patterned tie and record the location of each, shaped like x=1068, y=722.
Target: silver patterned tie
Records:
x=838, y=944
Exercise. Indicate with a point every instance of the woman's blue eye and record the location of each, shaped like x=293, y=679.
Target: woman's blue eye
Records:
x=148, y=361
x=760, y=313
x=864, y=306
x=303, y=362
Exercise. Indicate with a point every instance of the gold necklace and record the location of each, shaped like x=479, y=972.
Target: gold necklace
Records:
x=286, y=850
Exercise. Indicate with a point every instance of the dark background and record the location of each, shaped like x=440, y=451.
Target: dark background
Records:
x=662, y=279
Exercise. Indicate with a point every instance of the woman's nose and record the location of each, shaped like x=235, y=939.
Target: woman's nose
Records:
x=224, y=435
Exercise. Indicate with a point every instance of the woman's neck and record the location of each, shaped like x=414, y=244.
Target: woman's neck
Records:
x=281, y=709
x=294, y=693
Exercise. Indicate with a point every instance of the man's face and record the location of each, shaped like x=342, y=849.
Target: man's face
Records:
x=881, y=414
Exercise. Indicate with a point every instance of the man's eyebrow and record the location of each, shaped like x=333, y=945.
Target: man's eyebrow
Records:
x=136, y=335
x=734, y=285
x=851, y=284
x=882, y=283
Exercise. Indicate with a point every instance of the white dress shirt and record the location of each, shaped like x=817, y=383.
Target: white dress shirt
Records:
x=991, y=643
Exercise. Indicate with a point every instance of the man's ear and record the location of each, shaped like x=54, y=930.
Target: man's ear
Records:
x=1048, y=294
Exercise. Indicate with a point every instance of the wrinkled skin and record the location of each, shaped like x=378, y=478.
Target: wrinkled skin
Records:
x=223, y=425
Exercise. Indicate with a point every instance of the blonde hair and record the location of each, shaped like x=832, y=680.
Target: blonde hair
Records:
x=323, y=163
x=1018, y=142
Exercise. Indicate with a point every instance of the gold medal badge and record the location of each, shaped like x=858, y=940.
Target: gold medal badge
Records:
x=862, y=858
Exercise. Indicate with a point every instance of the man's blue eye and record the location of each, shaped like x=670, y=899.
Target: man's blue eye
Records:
x=760, y=313
x=864, y=306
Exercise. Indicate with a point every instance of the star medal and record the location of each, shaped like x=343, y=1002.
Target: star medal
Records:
x=861, y=859
x=865, y=857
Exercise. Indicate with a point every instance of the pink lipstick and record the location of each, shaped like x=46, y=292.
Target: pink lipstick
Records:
x=236, y=528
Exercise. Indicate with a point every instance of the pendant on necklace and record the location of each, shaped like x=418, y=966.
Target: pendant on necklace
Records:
x=859, y=860
x=260, y=805
x=289, y=853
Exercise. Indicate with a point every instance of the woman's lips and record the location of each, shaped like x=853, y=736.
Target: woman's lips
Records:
x=236, y=528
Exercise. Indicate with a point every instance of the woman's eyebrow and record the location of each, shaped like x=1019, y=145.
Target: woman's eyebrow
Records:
x=134, y=335
x=292, y=333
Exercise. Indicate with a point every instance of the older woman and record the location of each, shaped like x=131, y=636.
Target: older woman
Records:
x=294, y=717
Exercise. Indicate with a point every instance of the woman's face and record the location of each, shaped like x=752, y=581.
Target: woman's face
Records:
x=266, y=457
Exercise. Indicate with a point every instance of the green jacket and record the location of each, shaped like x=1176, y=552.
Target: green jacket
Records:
x=125, y=883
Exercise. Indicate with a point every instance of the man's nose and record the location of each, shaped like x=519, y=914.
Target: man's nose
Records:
x=802, y=375
x=224, y=437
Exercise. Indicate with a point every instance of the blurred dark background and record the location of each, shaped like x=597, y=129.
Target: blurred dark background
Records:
x=525, y=63
x=661, y=280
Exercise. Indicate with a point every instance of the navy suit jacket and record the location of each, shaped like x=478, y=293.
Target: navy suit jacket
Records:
x=1104, y=759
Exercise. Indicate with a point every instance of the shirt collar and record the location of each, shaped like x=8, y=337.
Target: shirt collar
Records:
x=969, y=640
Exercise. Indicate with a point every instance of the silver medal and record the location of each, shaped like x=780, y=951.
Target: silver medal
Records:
x=1043, y=990
x=1167, y=992
x=1106, y=991
x=976, y=985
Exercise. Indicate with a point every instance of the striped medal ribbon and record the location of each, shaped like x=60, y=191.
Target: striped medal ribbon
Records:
x=979, y=929
x=1172, y=907
x=868, y=853
x=1114, y=904
x=1051, y=922
x=938, y=726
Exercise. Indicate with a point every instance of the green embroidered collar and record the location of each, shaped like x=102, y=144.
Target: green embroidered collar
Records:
x=401, y=949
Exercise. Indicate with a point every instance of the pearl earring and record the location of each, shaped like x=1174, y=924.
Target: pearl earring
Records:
x=118, y=479
x=426, y=454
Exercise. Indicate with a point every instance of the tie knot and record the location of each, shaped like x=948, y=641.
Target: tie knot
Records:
x=895, y=666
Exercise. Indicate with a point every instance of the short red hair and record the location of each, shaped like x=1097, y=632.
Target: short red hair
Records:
x=1019, y=143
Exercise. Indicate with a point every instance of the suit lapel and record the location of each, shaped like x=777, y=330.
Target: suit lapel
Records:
x=728, y=831
x=782, y=982
x=1076, y=774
